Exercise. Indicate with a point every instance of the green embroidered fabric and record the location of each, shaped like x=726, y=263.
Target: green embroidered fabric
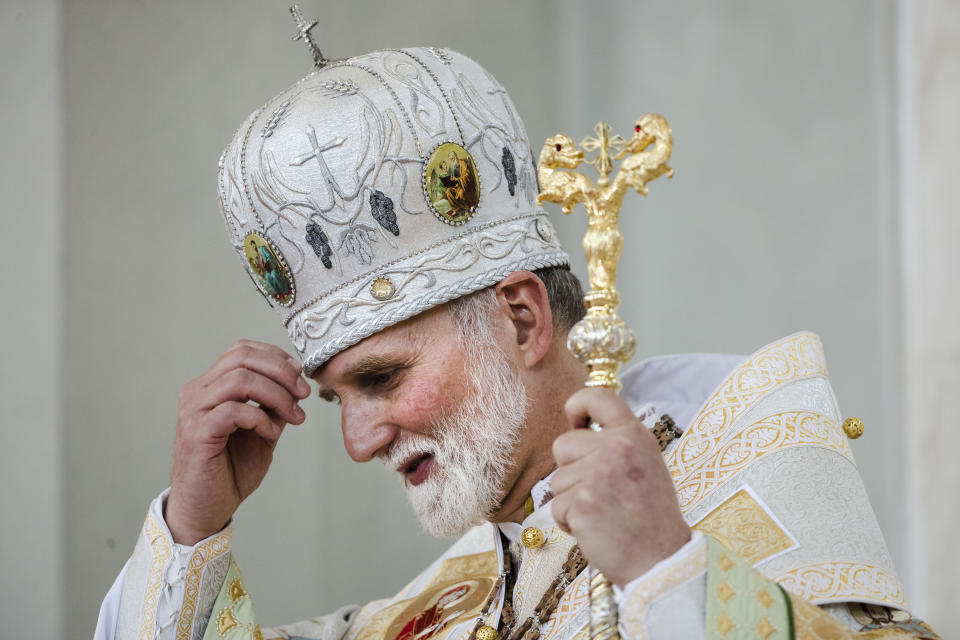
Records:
x=233, y=617
x=740, y=602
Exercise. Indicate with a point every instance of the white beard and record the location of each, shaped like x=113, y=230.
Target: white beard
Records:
x=472, y=446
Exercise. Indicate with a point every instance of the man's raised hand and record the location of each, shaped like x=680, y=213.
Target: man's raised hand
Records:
x=612, y=490
x=228, y=424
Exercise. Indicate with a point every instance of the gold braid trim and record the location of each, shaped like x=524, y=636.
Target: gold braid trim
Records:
x=161, y=550
x=202, y=555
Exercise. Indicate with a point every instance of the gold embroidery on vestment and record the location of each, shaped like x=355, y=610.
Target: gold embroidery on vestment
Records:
x=464, y=581
x=160, y=553
x=773, y=433
x=789, y=359
x=202, y=555
x=744, y=526
x=841, y=581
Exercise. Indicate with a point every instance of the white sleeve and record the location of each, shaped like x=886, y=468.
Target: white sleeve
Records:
x=107, y=621
x=669, y=600
x=165, y=588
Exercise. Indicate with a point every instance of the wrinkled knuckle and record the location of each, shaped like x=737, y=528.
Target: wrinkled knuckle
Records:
x=608, y=473
x=246, y=352
x=226, y=411
x=243, y=379
x=621, y=449
x=236, y=348
x=635, y=472
x=584, y=499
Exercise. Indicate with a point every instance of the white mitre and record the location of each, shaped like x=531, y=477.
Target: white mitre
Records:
x=378, y=187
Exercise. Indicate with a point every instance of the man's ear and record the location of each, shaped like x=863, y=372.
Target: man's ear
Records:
x=523, y=299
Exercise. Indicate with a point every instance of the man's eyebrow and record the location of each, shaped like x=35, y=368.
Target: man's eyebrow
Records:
x=327, y=394
x=375, y=363
x=366, y=367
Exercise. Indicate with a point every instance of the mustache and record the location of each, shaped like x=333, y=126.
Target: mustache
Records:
x=401, y=451
x=445, y=433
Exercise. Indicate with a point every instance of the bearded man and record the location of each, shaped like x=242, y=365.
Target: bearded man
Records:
x=501, y=459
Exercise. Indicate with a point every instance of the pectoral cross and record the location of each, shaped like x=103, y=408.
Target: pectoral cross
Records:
x=304, y=34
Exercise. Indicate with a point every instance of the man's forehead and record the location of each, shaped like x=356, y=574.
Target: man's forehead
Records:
x=395, y=343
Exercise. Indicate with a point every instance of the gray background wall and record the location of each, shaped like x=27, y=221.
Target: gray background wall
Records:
x=810, y=192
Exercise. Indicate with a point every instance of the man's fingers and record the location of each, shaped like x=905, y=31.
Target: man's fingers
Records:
x=241, y=385
x=574, y=473
x=603, y=406
x=275, y=417
x=266, y=359
x=574, y=509
x=227, y=417
x=571, y=446
x=559, y=507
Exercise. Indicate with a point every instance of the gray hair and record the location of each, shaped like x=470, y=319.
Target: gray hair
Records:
x=472, y=313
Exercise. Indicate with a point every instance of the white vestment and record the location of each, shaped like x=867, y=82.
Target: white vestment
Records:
x=761, y=439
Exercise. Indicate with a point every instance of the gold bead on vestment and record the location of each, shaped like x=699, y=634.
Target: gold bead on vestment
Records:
x=532, y=538
x=487, y=632
x=382, y=288
x=853, y=427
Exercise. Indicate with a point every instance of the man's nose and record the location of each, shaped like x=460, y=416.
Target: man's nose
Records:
x=366, y=431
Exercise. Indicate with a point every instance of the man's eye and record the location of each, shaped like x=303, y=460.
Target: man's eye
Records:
x=383, y=379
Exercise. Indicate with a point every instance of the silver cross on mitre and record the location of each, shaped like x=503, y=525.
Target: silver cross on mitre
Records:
x=304, y=34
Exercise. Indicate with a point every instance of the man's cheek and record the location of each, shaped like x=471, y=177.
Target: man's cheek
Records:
x=427, y=398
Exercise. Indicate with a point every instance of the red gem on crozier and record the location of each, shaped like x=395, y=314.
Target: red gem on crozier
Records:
x=268, y=268
x=451, y=183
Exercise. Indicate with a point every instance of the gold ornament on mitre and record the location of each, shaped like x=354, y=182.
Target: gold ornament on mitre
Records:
x=602, y=341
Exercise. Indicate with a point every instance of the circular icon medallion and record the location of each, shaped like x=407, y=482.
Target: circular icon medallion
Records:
x=268, y=268
x=451, y=184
